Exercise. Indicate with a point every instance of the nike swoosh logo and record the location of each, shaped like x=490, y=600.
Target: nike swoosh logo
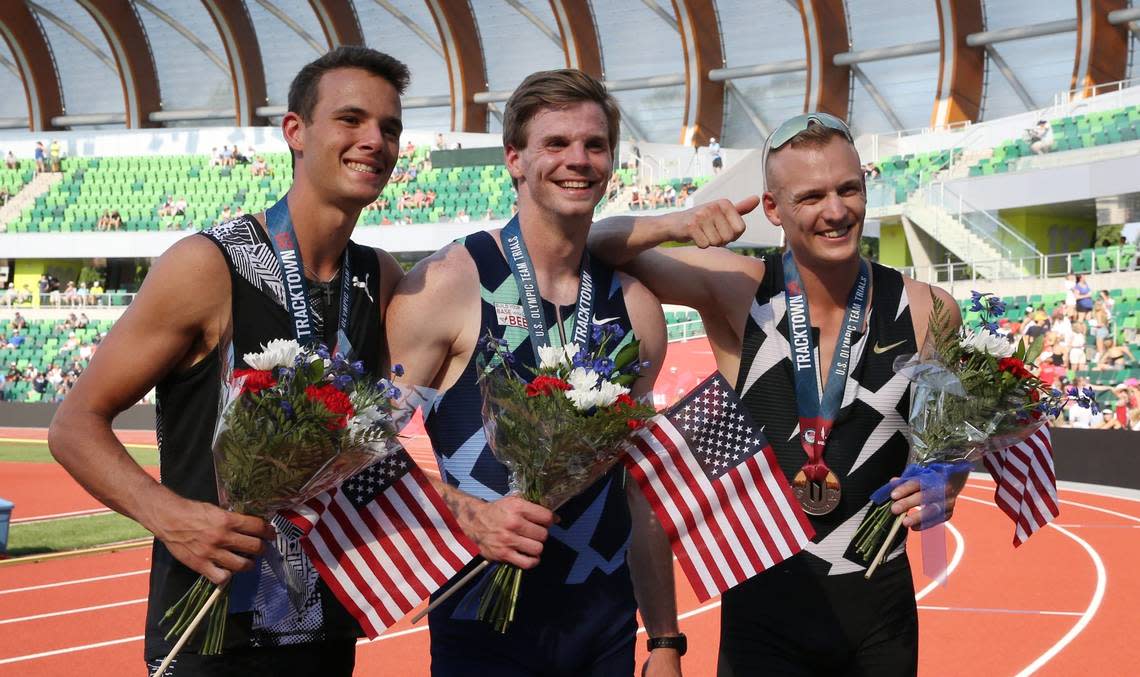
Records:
x=879, y=350
x=605, y=320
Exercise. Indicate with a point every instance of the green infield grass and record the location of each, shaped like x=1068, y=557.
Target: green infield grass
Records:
x=71, y=533
x=35, y=451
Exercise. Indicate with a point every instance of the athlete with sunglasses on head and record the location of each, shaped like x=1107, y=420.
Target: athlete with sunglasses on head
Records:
x=809, y=339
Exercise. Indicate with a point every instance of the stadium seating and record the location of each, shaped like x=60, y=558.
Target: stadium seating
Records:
x=45, y=346
x=13, y=180
x=137, y=186
x=903, y=174
x=1069, y=133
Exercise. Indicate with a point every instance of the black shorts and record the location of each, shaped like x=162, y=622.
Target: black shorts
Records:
x=334, y=658
x=790, y=621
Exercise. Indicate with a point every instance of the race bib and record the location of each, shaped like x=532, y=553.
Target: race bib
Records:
x=510, y=315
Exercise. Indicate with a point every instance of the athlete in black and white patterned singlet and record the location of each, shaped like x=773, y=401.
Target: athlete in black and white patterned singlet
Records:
x=813, y=614
x=816, y=606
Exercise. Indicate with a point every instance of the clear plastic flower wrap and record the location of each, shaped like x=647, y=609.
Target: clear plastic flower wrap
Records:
x=973, y=395
x=557, y=433
x=297, y=423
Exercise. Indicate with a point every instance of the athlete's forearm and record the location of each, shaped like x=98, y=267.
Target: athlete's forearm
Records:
x=651, y=568
x=617, y=240
x=84, y=444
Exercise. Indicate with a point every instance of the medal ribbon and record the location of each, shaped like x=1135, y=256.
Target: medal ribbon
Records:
x=817, y=415
x=283, y=239
x=523, y=269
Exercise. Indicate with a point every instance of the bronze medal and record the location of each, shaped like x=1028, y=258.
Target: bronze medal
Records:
x=817, y=498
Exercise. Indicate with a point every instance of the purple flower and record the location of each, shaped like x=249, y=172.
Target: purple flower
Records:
x=287, y=409
x=398, y=370
x=997, y=306
x=976, y=301
x=343, y=382
x=604, y=366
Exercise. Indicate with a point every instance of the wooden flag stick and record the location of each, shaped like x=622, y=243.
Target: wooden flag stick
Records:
x=452, y=590
x=886, y=544
x=190, y=630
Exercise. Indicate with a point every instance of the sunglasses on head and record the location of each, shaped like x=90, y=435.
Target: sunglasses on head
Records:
x=793, y=126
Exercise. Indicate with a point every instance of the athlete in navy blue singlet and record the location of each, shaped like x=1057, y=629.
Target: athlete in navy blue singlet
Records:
x=589, y=568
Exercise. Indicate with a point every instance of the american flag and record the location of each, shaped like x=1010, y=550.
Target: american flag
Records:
x=713, y=481
x=383, y=541
x=1026, y=486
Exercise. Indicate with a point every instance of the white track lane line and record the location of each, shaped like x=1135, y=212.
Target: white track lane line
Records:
x=1089, y=612
x=959, y=551
x=68, y=612
x=73, y=649
x=77, y=581
x=59, y=515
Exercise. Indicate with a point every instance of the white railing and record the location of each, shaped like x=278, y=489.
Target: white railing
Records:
x=1011, y=244
x=1035, y=267
x=1073, y=96
x=104, y=300
x=683, y=331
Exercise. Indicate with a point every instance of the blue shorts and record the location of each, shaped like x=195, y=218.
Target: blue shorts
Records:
x=559, y=630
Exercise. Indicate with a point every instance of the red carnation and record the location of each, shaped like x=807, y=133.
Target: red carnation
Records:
x=545, y=385
x=1014, y=366
x=256, y=380
x=635, y=423
x=333, y=400
x=624, y=400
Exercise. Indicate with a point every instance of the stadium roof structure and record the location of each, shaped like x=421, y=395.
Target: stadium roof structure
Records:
x=683, y=70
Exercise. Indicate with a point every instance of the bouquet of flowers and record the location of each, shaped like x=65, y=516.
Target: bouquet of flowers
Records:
x=973, y=395
x=557, y=432
x=295, y=424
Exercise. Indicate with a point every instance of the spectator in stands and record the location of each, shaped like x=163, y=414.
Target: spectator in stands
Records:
x=404, y=201
x=54, y=154
x=717, y=160
x=871, y=171
x=13, y=373
x=613, y=188
x=635, y=200
x=24, y=296
x=67, y=324
x=227, y=156
x=259, y=167
x=1106, y=301
x=215, y=157
x=1077, y=355
x=418, y=198
x=411, y=174
x=44, y=286
x=1082, y=297
x=41, y=157
x=1100, y=325
x=18, y=321
x=71, y=294
x=1108, y=421
x=10, y=161
x=116, y=220
x=226, y=214
x=238, y=158
x=408, y=150
x=440, y=142
x=1114, y=356
x=81, y=322
x=670, y=195
x=4, y=196
x=17, y=339
x=385, y=221
x=96, y=293
x=39, y=384
x=1040, y=137
x=180, y=206
x=462, y=217
x=429, y=198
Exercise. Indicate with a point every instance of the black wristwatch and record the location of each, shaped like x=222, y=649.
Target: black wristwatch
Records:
x=678, y=642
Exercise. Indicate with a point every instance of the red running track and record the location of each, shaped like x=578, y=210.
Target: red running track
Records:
x=1062, y=604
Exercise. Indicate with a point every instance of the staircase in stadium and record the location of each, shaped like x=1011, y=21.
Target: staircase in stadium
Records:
x=39, y=185
x=979, y=238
